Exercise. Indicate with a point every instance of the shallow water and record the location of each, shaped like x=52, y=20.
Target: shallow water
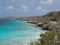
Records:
x=16, y=32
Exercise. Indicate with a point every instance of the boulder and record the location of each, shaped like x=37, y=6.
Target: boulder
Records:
x=45, y=27
x=50, y=25
x=40, y=24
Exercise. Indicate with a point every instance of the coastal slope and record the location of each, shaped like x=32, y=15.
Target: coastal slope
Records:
x=49, y=22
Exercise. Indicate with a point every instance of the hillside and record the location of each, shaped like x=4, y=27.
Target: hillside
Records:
x=51, y=23
x=53, y=16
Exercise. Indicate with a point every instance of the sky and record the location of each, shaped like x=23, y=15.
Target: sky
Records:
x=17, y=8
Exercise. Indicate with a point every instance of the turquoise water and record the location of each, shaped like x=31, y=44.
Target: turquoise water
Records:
x=16, y=32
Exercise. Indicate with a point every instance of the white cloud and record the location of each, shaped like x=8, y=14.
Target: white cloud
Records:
x=39, y=8
x=9, y=8
x=46, y=1
x=41, y=11
x=25, y=8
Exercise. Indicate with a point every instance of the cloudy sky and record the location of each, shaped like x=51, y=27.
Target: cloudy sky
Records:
x=27, y=7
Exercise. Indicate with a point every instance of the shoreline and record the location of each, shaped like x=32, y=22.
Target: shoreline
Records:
x=36, y=40
x=49, y=22
x=34, y=37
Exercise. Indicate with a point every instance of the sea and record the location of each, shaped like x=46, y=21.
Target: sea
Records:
x=17, y=32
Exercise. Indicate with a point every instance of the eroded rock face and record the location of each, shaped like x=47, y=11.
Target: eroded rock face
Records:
x=45, y=27
x=48, y=26
x=40, y=24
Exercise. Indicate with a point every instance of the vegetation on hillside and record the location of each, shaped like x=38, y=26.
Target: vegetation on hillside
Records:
x=52, y=36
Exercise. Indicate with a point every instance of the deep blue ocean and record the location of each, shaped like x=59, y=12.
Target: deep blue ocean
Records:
x=16, y=32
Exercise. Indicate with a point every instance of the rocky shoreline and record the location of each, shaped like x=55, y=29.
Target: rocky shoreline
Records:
x=46, y=26
x=51, y=24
